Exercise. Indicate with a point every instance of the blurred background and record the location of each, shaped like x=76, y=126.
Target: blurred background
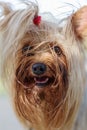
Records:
x=8, y=120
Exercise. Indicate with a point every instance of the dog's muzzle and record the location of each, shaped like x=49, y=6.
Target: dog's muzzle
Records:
x=40, y=78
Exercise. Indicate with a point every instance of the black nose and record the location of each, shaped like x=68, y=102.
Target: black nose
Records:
x=39, y=68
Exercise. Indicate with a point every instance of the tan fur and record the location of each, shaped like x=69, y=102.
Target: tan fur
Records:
x=55, y=106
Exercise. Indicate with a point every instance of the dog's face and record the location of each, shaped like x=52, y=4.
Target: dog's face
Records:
x=43, y=69
x=41, y=75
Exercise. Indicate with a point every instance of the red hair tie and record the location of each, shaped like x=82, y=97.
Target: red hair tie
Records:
x=37, y=20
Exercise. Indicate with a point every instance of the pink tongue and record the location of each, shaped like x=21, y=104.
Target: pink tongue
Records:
x=41, y=80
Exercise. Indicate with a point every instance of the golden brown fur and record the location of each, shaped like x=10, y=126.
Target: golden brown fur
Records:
x=50, y=107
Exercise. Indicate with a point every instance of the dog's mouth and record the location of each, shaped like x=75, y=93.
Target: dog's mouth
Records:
x=43, y=81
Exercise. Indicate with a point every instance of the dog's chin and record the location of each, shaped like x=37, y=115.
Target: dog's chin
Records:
x=43, y=81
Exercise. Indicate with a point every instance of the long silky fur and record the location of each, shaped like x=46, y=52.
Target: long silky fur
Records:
x=59, y=110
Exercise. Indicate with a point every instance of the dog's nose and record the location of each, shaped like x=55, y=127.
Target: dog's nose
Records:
x=39, y=68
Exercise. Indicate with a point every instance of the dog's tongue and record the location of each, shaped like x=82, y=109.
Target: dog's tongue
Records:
x=41, y=79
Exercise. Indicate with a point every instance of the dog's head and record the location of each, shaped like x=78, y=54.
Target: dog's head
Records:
x=43, y=65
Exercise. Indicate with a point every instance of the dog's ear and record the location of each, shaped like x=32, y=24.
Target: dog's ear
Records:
x=79, y=22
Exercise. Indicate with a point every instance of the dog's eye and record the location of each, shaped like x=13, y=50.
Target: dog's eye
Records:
x=58, y=50
x=26, y=48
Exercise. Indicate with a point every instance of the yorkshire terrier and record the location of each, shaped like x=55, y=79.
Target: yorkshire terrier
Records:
x=43, y=66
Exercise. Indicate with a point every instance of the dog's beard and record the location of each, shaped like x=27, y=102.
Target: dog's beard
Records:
x=41, y=98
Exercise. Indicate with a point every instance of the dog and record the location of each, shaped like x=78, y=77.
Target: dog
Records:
x=43, y=67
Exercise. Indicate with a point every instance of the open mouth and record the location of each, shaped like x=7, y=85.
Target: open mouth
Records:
x=43, y=81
